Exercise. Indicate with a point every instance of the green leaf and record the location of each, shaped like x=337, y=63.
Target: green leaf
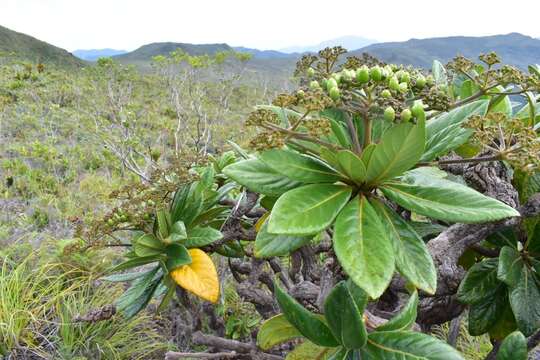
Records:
x=413, y=260
x=202, y=236
x=178, y=231
x=187, y=204
x=406, y=317
x=139, y=294
x=299, y=167
x=446, y=200
x=177, y=255
x=276, y=330
x=524, y=298
x=210, y=214
x=307, y=323
x=343, y=354
x=308, y=209
x=480, y=282
x=453, y=117
x=363, y=247
x=148, y=245
x=163, y=224
x=352, y=166
x=344, y=310
x=501, y=103
x=122, y=277
x=445, y=140
x=484, y=314
x=439, y=73
x=259, y=177
x=136, y=262
x=510, y=265
x=513, y=347
x=308, y=350
x=407, y=345
x=367, y=153
x=399, y=150
x=268, y=245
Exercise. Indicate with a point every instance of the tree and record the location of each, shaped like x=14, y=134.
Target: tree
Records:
x=348, y=227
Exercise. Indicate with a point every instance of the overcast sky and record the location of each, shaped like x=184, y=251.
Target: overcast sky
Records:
x=269, y=24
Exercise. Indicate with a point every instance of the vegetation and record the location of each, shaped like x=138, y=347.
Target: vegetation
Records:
x=363, y=214
x=19, y=45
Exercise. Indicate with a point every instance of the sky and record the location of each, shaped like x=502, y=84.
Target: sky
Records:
x=268, y=24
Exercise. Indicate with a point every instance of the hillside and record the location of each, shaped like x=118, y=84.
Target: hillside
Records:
x=146, y=52
x=94, y=54
x=34, y=50
x=515, y=49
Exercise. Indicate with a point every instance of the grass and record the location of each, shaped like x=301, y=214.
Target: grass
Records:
x=39, y=300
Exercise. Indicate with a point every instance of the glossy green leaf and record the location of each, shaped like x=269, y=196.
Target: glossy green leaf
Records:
x=299, y=167
x=363, y=247
x=510, y=265
x=439, y=73
x=139, y=294
x=177, y=255
x=407, y=345
x=367, y=153
x=413, y=260
x=308, y=209
x=406, y=317
x=513, y=347
x=352, y=166
x=276, y=330
x=178, y=231
x=187, y=204
x=344, y=354
x=445, y=140
x=123, y=277
x=343, y=310
x=202, y=236
x=524, y=298
x=148, y=245
x=456, y=116
x=163, y=224
x=484, y=314
x=446, y=200
x=399, y=150
x=500, y=103
x=136, y=262
x=268, y=245
x=307, y=323
x=480, y=282
x=259, y=177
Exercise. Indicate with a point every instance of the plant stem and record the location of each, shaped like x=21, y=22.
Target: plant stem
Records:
x=367, y=131
x=353, y=132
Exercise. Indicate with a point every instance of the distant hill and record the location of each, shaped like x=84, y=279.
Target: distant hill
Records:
x=94, y=54
x=265, y=54
x=515, y=49
x=31, y=49
x=348, y=42
x=146, y=52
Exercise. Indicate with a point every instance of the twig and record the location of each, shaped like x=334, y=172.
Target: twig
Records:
x=172, y=355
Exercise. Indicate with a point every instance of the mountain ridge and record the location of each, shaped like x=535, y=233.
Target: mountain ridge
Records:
x=29, y=48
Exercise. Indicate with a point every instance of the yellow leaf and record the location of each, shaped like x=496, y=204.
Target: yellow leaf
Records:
x=200, y=277
x=261, y=221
